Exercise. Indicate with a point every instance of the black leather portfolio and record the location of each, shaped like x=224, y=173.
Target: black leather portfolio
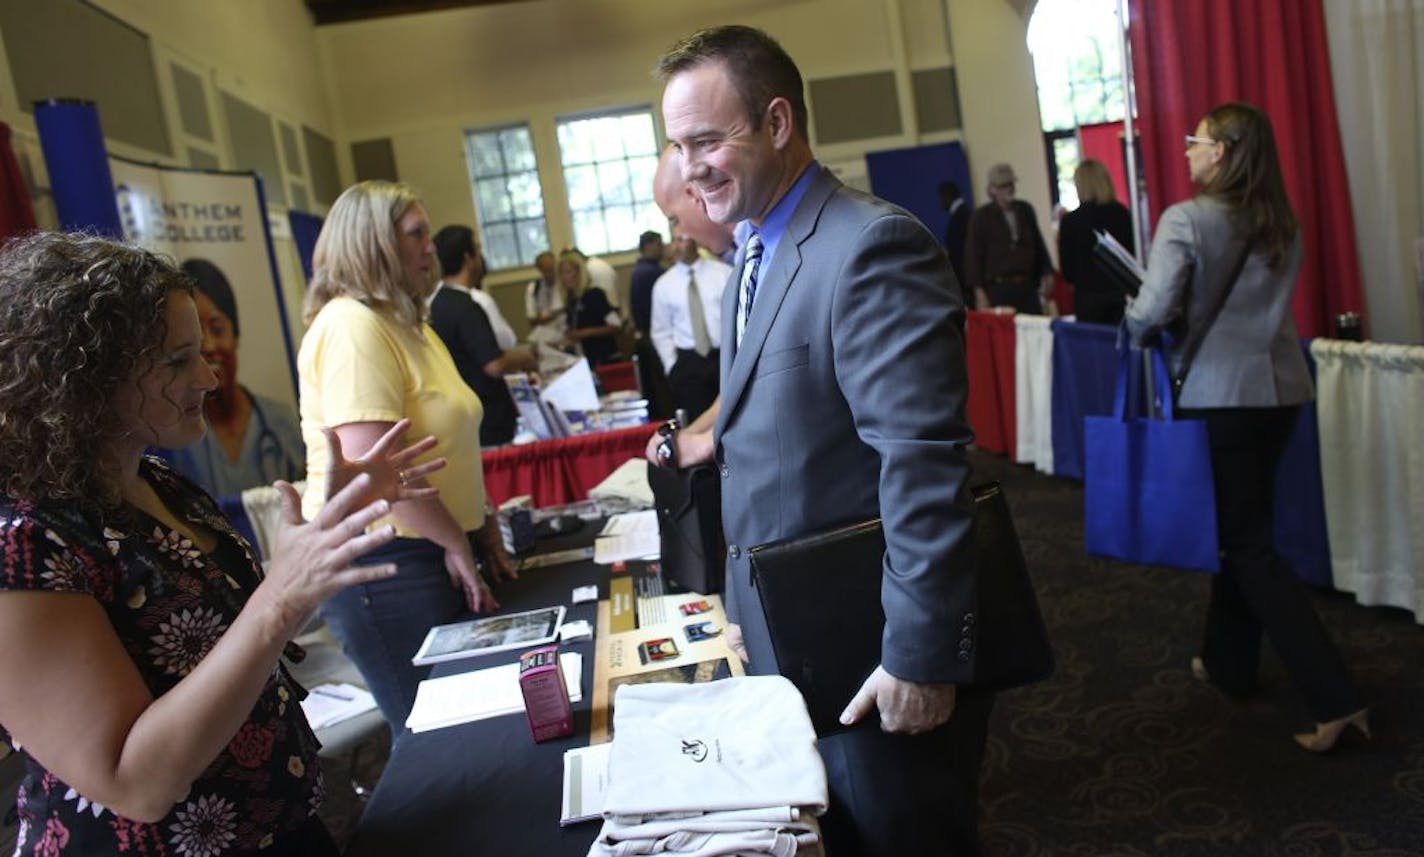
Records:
x=821, y=597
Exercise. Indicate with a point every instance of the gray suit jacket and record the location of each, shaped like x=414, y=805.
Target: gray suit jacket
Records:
x=1251, y=356
x=845, y=402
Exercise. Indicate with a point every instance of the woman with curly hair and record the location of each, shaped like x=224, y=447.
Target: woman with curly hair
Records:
x=369, y=360
x=140, y=675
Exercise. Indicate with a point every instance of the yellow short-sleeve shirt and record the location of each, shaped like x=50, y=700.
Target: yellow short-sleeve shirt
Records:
x=356, y=365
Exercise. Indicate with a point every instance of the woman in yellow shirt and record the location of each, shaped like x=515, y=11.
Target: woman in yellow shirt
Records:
x=368, y=359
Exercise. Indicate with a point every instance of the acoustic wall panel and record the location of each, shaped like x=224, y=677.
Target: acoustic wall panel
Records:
x=202, y=159
x=192, y=103
x=290, y=150
x=374, y=159
x=936, y=99
x=321, y=160
x=300, y=200
x=69, y=49
x=855, y=107
x=253, y=147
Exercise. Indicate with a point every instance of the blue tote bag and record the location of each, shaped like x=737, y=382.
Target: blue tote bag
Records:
x=1149, y=495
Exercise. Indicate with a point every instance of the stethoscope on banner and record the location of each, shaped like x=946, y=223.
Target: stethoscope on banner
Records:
x=270, y=449
x=273, y=460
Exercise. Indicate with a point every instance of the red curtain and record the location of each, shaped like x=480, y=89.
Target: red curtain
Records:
x=17, y=215
x=1103, y=141
x=1189, y=56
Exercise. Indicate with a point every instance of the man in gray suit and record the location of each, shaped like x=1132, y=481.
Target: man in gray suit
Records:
x=843, y=392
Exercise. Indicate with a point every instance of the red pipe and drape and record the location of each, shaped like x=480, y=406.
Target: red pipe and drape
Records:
x=1188, y=57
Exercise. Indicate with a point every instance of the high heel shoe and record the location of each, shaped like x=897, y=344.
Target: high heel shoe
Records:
x=1199, y=670
x=1326, y=734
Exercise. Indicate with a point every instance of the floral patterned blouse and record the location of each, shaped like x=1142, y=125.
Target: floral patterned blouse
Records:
x=169, y=604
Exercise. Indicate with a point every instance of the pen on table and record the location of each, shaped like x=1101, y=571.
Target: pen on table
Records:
x=321, y=691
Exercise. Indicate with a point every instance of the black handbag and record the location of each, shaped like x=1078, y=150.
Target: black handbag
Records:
x=689, y=504
x=821, y=598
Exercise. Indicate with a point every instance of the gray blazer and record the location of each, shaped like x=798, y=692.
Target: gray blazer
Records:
x=1251, y=356
x=845, y=402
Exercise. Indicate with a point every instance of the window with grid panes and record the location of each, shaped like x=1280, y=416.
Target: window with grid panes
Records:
x=608, y=161
x=508, y=195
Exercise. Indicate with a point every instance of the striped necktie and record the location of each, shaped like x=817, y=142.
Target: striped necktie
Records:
x=746, y=293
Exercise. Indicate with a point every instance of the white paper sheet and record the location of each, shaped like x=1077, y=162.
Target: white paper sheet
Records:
x=629, y=482
x=585, y=782
x=482, y=694
x=640, y=544
x=327, y=704
x=631, y=522
x=574, y=390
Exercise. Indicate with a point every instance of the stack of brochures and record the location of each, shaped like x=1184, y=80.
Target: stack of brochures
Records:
x=539, y=417
x=493, y=692
x=1120, y=266
x=629, y=482
x=569, y=404
x=631, y=535
x=585, y=782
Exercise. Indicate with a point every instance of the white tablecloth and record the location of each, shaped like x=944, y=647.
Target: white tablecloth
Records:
x=1371, y=409
x=1033, y=390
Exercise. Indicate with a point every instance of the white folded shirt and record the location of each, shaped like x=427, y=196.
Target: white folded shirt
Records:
x=799, y=839
x=741, y=743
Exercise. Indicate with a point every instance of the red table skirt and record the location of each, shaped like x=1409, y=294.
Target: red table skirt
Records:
x=989, y=347
x=561, y=471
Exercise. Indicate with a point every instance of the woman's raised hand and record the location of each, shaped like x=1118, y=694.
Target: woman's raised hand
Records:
x=394, y=475
x=312, y=560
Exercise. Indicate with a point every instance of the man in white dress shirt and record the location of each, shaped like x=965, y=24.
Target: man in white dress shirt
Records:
x=687, y=324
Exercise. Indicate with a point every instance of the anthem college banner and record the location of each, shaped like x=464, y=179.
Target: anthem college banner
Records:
x=214, y=224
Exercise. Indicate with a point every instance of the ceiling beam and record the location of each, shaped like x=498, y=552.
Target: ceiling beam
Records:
x=345, y=11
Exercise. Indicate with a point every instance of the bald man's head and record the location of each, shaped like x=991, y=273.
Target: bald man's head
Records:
x=685, y=212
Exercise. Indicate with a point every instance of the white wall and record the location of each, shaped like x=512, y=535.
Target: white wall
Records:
x=423, y=79
x=262, y=51
x=999, y=100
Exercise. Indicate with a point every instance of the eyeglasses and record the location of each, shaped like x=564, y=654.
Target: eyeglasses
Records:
x=1192, y=139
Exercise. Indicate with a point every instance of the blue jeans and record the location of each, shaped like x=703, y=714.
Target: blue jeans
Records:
x=380, y=625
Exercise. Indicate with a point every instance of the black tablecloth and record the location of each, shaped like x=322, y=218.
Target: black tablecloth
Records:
x=486, y=787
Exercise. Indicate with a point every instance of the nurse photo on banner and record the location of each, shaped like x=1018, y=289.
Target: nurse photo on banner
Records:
x=252, y=440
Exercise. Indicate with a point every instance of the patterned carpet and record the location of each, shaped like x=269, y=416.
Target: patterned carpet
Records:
x=1123, y=754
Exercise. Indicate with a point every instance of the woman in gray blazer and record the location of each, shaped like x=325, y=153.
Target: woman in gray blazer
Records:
x=1247, y=380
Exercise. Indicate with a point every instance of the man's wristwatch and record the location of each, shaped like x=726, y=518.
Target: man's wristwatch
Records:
x=667, y=447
